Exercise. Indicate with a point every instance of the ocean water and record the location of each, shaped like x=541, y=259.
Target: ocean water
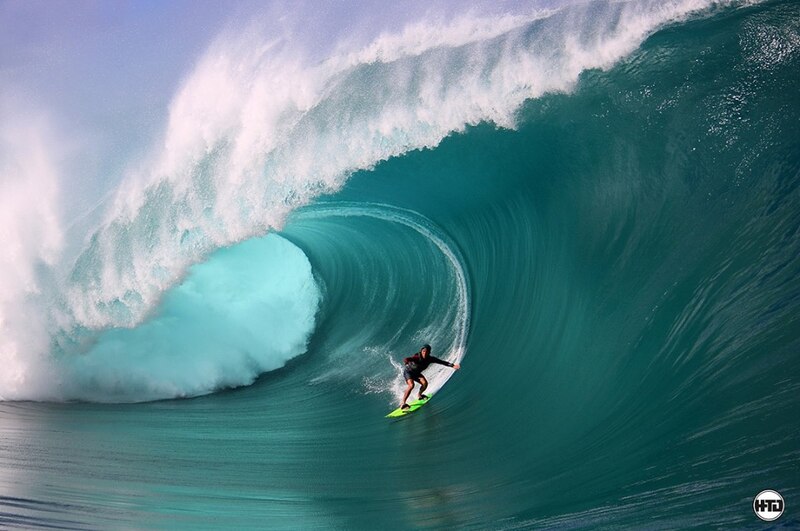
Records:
x=594, y=208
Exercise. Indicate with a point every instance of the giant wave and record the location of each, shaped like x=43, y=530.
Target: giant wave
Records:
x=258, y=128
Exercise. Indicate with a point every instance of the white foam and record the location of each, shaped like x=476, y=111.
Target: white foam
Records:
x=420, y=37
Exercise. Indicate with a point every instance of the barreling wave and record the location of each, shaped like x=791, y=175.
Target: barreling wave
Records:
x=257, y=130
x=620, y=273
x=439, y=298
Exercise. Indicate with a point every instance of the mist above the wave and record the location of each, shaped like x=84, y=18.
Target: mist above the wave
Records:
x=32, y=240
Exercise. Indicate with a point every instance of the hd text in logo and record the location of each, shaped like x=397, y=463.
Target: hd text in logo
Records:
x=768, y=505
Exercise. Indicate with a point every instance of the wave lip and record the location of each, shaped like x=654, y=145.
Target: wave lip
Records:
x=258, y=130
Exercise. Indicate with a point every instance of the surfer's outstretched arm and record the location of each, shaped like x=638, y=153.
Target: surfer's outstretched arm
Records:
x=455, y=366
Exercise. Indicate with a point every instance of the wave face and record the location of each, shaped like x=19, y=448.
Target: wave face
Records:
x=592, y=207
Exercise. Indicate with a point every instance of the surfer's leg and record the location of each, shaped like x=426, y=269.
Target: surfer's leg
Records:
x=424, y=383
x=410, y=383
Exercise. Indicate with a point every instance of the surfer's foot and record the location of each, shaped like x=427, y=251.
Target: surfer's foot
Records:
x=423, y=397
x=405, y=406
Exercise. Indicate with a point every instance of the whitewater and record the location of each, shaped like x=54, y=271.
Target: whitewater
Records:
x=224, y=227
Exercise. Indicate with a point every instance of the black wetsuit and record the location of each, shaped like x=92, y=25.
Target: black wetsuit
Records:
x=414, y=365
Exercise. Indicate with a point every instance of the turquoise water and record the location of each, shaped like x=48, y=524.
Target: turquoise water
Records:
x=615, y=266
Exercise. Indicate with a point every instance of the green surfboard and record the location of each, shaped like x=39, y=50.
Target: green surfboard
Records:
x=413, y=406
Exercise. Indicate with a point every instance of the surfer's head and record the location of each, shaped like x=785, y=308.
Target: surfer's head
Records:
x=425, y=350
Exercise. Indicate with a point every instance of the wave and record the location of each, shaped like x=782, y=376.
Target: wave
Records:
x=259, y=129
x=619, y=272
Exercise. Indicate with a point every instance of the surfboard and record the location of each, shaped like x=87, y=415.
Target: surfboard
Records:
x=413, y=406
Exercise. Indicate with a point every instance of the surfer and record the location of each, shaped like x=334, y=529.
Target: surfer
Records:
x=412, y=371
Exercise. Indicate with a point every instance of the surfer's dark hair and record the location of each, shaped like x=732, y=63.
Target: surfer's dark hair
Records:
x=426, y=346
